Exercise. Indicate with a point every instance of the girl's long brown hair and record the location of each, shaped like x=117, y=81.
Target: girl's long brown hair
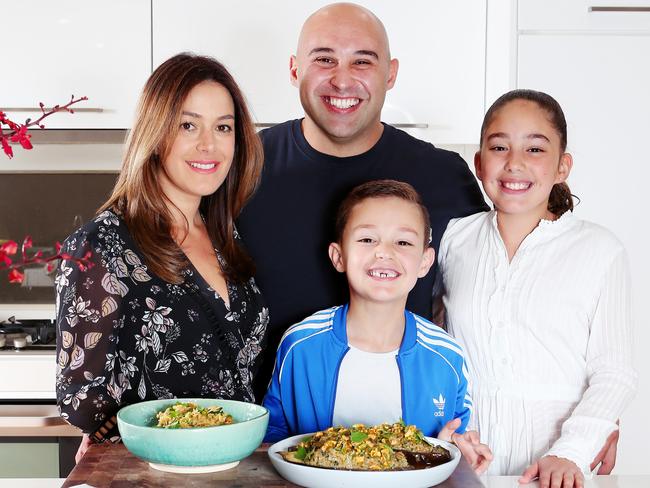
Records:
x=138, y=196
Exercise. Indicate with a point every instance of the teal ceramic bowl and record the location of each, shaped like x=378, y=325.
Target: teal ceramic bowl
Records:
x=200, y=449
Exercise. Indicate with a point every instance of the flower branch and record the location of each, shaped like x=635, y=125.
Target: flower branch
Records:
x=10, y=248
x=18, y=132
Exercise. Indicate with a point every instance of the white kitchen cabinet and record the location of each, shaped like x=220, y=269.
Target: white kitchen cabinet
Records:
x=611, y=167
x=584, y=15
x=52, y=50
x=600, y=74
x=24, y=375
x=440, y=46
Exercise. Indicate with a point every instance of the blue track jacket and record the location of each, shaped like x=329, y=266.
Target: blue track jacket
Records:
x=301, y=395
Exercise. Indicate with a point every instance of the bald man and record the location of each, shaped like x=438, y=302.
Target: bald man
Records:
x=342, y=69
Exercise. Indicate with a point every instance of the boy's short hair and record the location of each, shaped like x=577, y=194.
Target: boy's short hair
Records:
x=380, y=189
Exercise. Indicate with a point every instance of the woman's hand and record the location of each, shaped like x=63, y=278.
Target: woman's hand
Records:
x=478, y=455
x=554, y=472
x=83, y=447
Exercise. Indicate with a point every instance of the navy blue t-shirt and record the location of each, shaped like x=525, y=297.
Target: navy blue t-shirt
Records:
x=289, y=223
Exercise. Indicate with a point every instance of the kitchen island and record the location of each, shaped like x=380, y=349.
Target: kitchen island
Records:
x=112, y=465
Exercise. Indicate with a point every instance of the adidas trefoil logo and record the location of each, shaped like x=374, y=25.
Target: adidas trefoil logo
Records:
x=440, y=405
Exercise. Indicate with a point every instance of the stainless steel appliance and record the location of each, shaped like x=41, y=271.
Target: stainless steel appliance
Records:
x=27, y=334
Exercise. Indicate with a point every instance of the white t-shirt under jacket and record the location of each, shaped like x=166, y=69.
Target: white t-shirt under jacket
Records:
x=547, y=336
x=368, y=389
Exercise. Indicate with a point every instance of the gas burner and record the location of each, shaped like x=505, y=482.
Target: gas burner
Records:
x=27, y=334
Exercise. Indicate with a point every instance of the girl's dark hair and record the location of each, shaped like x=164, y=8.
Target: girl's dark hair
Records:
x=561, y=198
x=137, y=194
x=381, y=189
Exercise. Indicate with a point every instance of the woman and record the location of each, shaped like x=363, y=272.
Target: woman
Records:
x=169, y=307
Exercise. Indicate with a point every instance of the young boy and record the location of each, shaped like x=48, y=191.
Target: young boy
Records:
x=372, y=361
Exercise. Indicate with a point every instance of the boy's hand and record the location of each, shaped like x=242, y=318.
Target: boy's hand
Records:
x=478, y=455
x=554, y=471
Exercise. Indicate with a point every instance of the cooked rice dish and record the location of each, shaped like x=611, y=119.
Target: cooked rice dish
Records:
x=384, y=447
x=187, y=415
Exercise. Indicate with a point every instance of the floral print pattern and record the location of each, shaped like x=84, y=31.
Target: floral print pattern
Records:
x=125, y=336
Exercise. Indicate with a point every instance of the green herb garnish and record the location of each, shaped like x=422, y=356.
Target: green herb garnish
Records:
x=357, y=436
x=301, y=453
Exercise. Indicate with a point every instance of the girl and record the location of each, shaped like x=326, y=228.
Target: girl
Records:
x=169, y=307
x=539, y=300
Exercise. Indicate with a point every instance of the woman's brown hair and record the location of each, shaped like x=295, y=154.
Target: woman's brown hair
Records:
x=560, y=199
x=138, y=196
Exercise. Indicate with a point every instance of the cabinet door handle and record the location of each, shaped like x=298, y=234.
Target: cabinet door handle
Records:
x=619, y=9
x=263, y=125
x=38, y=109
x=410, y=126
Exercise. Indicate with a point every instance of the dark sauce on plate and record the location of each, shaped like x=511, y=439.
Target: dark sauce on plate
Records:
x=424, y=460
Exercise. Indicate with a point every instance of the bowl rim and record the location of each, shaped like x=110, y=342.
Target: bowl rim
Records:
x=120, y=418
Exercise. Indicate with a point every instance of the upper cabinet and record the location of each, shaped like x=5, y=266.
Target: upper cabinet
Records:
x=440, y=45
x=580, y=16
x=91, y=48
x=593, y=58
x=104, y=50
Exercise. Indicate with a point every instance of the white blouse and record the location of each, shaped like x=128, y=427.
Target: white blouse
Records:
x=547, y=336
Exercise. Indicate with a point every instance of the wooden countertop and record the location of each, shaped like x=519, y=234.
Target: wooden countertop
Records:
x=111, y=465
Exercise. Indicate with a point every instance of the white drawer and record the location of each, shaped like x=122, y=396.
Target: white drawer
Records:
x=584, y=15
x=27, y=376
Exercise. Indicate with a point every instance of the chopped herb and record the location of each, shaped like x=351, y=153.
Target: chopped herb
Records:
x=357, y=436
x=301, y=453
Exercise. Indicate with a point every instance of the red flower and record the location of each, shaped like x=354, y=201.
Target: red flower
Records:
x=21, y=136
x=6, y=147
x=9, y=247
x=16, y=276
x=27, y=243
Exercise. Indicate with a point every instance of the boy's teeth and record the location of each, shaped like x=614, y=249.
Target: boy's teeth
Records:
x=202, y=165
x=383, y=274
x=515, y=186
x=343, y=103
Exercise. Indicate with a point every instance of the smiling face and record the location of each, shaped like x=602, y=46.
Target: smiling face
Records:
x=203, y=148
x=520, y=160
x=382, y=250
x=343, y=70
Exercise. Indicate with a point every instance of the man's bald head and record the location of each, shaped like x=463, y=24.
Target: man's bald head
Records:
x=343, y=70
x=346, y=17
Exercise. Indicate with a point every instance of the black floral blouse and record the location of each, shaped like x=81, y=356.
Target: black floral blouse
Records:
x=125, y=335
